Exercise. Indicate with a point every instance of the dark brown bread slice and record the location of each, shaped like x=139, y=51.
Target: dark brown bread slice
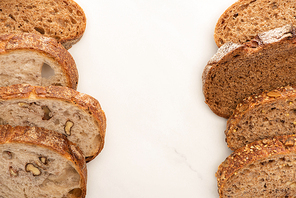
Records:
x=63, y=20
x=238, y=71
x=243, y=20
x=264, y=168
x=75, y=115
x=37, y=60
x=40, y=163
x=260, y=116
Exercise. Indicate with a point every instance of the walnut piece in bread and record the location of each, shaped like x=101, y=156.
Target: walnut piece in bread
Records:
x=23, y=175
x=75, y=115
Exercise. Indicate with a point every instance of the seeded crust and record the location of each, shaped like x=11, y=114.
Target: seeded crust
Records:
x=49, y=47
x=243, y=20
x=86, y=103
x=63, y=20
x=50, y=140
x=264, y=168
x=261, y=116
x=238, y=71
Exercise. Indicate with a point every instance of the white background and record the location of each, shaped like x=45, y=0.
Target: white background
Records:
x=143, y=61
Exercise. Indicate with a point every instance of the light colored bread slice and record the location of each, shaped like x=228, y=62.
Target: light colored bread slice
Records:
x=242, y=21
x=238, y=71
x=260, y=116
x=78, y=116
x=63, y=20
x=39, y=163
x=264, y=168
x=36, y=60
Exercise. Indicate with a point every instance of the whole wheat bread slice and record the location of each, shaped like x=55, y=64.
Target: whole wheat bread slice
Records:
x=238, y=71
x=264, y=115
x=63, y=20
x=243, y=20
x=264, y=168
x=37, y=60
x=75, y=115
x=39, y=163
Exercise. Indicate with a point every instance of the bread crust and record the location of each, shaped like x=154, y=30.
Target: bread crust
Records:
x=238, y=7
x=282, y=93
x=85, y=102
x=279, y=145
x=28, y=24
x=50, y=140
x=45, y=45
x=70, y=41
x=285, y=34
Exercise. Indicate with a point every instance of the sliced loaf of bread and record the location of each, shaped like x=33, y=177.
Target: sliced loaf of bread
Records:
x=36, y=60
x=238, y=71
x=63, y=20
x=78, y=116
x=264, y=115
x=242, y=21
x=40, y=163
x=264, y=168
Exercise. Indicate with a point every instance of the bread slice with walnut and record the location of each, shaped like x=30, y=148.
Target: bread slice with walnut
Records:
x=243, y=20
x=238, y=71
x=63, y=20
x=264, y=168
x=78, y=116
x=264, y=115
x=36, y=60
x=40, y=163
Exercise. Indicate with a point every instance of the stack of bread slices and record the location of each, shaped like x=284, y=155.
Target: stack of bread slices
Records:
x=251, y=80
x=48, y=130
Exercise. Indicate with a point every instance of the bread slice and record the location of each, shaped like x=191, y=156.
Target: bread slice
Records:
x=39, y=163
x=264, y=168
x=63, y=20
x=242, y=21
x=37, y=60
x=238, y=71
x=75, y=115
x=260, y=116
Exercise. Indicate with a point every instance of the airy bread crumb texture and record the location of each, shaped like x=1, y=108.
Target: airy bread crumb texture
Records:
x=264, y=168
x=63, y=20
x=242, y=21
x=30, y=67
x=260, y=116
x=270, y=177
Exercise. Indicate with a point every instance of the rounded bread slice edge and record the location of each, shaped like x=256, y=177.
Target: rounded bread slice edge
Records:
x=50, y=140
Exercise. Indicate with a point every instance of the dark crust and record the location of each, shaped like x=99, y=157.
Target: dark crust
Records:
x=282, y=93
x=254, y=46
x=45, y=45
x=85, y=102
x=50, y=140
x=279, y=145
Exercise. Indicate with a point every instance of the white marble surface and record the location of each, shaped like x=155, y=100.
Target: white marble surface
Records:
x=143, y=60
